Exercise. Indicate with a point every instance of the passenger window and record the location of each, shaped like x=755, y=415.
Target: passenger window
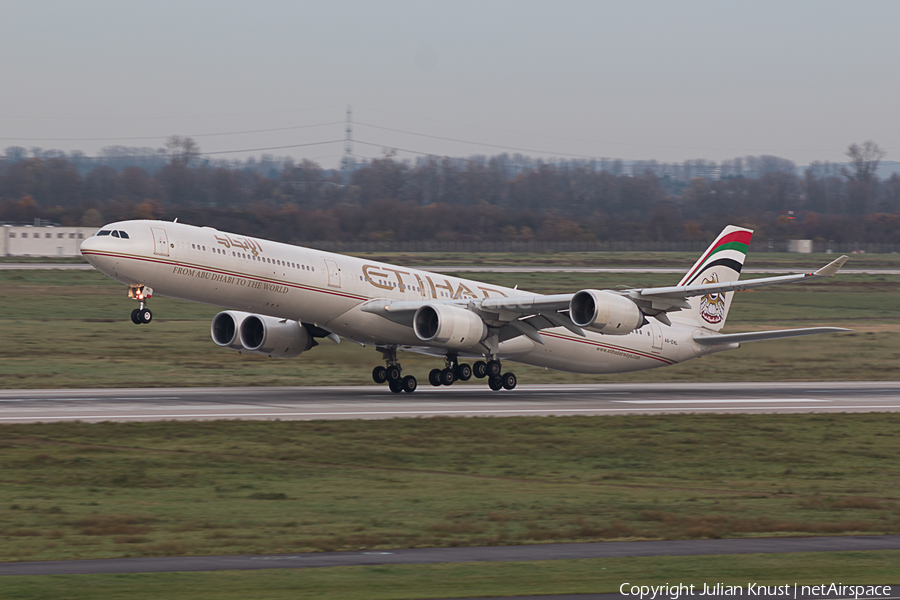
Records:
x=115, y=234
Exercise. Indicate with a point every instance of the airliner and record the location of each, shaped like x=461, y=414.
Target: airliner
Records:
x=279, y=299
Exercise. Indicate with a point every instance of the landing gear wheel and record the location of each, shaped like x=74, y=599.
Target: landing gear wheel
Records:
x=434, y=378
x=508, y=380
x=495, y=383
x=448, y=377
x=479, y=369
x=396, y=386
x=379, y=374
x=144, y=315
x=493, y=368
x=463, y=372
x=134, y=316
x=393, y=373
x=409, y=384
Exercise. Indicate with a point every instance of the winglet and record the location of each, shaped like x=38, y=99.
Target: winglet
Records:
x=831, y=268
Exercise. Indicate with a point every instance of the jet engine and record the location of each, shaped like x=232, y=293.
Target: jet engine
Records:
x=605, y=312
x=225, y=329
x=448, y=326
x=258, y=334
x=274, y=337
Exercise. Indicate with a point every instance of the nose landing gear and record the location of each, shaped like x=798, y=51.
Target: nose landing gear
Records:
x=141, y=293
x=142, y=315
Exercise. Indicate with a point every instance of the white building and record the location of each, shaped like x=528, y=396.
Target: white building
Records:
x=27, y=240
x=801, y=246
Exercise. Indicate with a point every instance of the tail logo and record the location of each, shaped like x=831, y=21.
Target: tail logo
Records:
x=712, y=306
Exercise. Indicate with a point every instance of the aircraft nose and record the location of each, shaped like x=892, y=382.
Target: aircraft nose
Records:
x=89, y=244
x=92, y=249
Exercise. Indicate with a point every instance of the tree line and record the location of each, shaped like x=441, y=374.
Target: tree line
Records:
x=503, y=197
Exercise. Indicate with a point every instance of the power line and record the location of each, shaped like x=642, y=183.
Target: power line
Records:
x=205, y=116
x=162, y=154
x=271, y=148
x=465, y=142
x=165, y=137
x=594, y=141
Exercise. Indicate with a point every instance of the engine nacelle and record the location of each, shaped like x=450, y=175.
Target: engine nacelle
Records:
x=605, y=312
x=452, y=327
x=274, y=337
x=225, y=329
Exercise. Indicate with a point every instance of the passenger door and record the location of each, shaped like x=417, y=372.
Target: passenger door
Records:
x=334, y=273
x=657, y=336
x=160, y=241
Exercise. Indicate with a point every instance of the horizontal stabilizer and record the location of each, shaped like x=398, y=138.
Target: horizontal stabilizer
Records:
x=758, y=336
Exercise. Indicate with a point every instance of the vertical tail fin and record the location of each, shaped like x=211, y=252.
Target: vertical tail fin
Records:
x=722, y=262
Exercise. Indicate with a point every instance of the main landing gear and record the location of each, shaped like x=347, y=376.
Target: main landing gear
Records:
x=393, y=374
x=453, y=371
x=141, y=293
x=497, y=380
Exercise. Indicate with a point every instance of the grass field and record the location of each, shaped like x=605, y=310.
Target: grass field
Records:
x=71, y=329
x=79, y=490
x=76, y=490
x=467, y=579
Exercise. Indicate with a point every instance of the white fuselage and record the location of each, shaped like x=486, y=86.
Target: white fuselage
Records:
x=327, y=290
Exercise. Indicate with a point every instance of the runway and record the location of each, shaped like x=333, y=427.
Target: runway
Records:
x=377, y=402
x=408, y=556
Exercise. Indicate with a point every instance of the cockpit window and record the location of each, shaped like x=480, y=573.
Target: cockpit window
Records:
x=123, y=235
x=115, y=234
x=103, y=232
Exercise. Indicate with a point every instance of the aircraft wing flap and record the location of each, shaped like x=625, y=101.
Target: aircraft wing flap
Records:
x=528, y=304
x=709, y=339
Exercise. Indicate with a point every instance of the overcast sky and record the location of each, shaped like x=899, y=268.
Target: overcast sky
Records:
x=634, y=80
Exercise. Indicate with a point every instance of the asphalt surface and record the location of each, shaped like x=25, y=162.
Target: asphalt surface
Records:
x=453, y=555
x=377, y=402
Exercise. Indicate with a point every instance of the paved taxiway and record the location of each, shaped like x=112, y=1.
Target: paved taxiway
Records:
x=377, y=402
x=409, y=556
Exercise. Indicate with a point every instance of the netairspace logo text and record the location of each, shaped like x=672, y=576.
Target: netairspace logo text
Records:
x=675, y=591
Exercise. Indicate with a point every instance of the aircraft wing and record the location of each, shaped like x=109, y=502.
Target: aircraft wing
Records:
x=513, y=316
x=528, y=314
x=757, y=336
x=688, y=291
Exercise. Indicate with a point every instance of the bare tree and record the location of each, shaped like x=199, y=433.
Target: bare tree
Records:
x=182, y=150
x=865, y=161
